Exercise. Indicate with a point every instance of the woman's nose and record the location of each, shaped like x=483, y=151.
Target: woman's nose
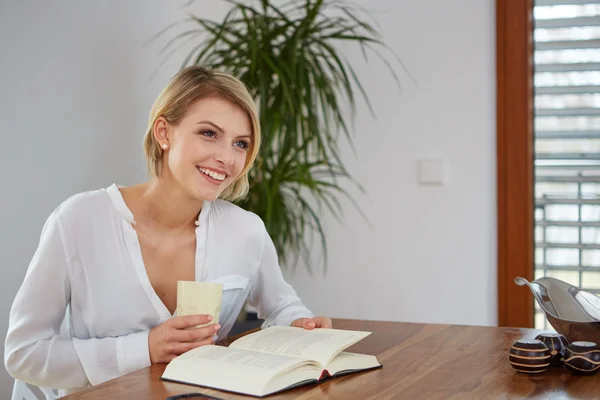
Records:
x=225, y=155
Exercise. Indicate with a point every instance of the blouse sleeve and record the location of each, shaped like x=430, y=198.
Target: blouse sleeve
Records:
x=275, y=300
x=34, y=350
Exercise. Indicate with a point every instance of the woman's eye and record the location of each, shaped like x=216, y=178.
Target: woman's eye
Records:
x=243, y=144
x=209, y=133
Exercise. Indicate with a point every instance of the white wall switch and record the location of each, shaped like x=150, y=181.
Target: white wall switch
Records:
x=432, y=172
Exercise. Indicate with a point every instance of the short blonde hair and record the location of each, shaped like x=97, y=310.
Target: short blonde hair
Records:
x=185, y=88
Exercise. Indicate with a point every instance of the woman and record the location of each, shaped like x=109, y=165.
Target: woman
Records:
x=99, y=297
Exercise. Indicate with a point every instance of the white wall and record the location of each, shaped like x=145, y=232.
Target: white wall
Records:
x=431, y=254
x=77, y=81
x=75, y=92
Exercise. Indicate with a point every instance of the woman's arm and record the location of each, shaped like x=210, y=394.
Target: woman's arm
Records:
x=275, y=300
x=34, y=353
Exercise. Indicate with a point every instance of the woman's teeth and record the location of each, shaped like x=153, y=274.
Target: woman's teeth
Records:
x=212, y=174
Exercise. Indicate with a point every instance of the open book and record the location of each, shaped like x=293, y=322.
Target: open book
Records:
x=271, y=360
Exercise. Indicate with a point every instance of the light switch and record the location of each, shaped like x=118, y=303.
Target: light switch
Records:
x=432, y=172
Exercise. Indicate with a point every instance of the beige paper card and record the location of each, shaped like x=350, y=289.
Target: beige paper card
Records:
x=199, y=298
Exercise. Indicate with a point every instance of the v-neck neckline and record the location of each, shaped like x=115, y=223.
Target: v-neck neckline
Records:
x=135, y=251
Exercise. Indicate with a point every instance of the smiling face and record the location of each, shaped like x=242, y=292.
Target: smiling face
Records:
x=207, y=150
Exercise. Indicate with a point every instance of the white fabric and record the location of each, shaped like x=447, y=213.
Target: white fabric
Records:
x=85, y=308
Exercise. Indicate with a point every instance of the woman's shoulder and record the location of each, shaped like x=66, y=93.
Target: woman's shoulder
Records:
x=230, y=223
x=84, y=204
x=230, y=214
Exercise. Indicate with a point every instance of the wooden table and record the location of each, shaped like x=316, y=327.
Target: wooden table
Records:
x=420, y=361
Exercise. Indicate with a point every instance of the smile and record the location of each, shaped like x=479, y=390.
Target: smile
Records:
x=214, y=175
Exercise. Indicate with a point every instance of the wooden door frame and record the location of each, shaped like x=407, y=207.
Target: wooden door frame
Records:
x=515, y=154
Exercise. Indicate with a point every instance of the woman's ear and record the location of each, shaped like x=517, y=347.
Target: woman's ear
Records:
x=161, y=132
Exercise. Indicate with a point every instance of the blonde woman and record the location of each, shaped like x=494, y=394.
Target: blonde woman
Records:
x=98, y=299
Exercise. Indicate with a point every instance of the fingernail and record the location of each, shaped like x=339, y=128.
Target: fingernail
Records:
x=217, y=326
x=214, y=338
x=209, y=318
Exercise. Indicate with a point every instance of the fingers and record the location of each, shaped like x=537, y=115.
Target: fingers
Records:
x=173, y=337
x=312, y=323
x=180, y=348
x=300, y=322
x=189, y=321
x=192, y=335
x=324, y=322
x=306, y=323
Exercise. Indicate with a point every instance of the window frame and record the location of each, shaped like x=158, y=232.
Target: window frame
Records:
x=515, y=158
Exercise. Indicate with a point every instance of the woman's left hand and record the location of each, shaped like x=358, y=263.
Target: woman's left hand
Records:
x=311, y=323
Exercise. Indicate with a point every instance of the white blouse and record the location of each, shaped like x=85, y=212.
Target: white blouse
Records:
x=85, y=308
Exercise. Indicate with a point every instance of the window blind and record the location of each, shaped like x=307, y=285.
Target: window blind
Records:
x=567, y=143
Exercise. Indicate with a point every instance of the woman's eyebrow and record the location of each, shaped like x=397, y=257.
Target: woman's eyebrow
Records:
x=211, y=123
x=217, y=127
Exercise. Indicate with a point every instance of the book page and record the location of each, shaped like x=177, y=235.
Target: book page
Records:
x=225, y=368
x=320, y=345
x=351, y=362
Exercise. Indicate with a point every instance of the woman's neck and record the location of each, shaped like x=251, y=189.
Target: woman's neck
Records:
x=165, y=206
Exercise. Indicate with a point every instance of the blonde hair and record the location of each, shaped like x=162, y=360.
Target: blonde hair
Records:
x=185, y=88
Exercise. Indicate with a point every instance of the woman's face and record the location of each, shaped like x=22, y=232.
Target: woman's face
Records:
x=208, y=147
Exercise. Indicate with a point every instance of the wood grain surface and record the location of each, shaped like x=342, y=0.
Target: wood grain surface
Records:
x=420, y=361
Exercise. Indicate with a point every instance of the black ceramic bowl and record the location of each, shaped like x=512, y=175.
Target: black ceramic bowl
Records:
x=557, y=344
x=582, y=358
x=529, y=356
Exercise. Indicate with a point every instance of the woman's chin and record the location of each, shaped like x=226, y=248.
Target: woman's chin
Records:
x=207, y=190
x=207, y=195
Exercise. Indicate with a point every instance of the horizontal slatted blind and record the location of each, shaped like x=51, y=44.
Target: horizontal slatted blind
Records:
x=567, y=142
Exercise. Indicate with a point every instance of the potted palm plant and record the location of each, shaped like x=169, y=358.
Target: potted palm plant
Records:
x=288, y=56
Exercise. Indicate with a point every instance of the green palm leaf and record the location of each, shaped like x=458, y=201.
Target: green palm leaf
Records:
x=287, y=55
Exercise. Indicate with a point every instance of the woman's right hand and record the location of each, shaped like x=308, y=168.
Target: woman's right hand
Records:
x=172, y=338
